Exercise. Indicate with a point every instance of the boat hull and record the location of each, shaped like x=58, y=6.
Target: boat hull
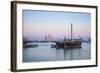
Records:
x=69, y=44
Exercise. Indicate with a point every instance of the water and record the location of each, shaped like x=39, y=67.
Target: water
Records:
x=44, y=52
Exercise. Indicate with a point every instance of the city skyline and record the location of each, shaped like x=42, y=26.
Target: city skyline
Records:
x=38, y=24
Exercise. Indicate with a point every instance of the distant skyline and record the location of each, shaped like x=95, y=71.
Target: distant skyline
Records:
x=37, y=24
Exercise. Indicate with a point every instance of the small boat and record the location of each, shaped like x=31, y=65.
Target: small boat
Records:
x=69, y=43
x=53, y=45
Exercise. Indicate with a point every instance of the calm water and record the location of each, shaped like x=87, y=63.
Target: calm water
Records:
x=44, y=52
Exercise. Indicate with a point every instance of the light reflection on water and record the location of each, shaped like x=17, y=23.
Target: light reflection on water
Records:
x=44, y=52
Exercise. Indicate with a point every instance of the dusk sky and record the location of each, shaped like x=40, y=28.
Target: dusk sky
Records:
x=37, y=24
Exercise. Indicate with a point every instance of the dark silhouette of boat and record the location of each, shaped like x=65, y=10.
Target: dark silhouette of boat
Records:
x=69, y=43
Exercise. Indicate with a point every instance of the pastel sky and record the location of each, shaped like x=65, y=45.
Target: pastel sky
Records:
x=37, y=24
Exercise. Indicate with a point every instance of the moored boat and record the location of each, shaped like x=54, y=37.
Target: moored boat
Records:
x=69, y=43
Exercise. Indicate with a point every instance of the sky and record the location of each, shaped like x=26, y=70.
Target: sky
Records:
x=37, y=24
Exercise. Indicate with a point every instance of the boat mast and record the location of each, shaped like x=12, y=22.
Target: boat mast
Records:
x=65, y=34
x=71, y=31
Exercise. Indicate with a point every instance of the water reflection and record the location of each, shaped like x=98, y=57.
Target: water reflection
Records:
x=45, y=53
x=68, y=54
